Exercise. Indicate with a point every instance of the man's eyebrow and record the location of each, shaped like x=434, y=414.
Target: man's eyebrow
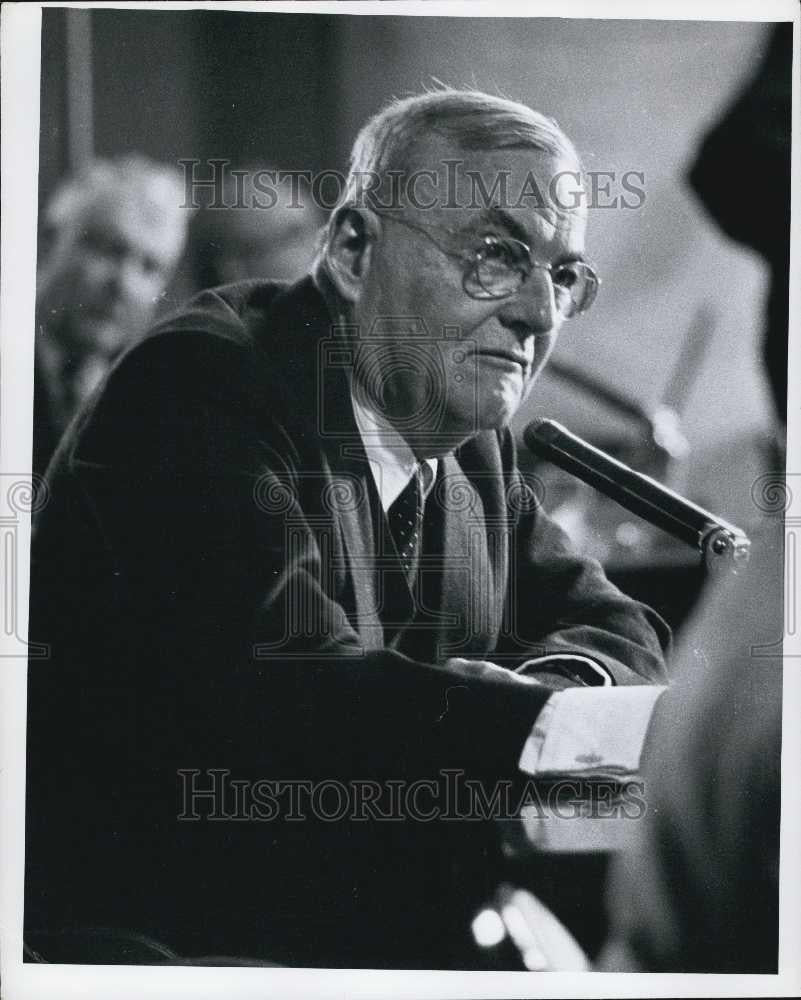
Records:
x=499, y=217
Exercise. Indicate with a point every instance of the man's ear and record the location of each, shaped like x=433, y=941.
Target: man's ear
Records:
x=349, y=255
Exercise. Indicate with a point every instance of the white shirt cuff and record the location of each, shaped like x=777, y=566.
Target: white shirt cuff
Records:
x=591, y=731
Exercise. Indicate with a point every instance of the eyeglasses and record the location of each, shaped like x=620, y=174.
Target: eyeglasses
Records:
x=500, y=265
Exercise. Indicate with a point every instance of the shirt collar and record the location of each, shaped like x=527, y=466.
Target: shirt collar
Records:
x=392, y=461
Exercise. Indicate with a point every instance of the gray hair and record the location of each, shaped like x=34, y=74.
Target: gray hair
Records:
x=470, y=119
x=156, y=187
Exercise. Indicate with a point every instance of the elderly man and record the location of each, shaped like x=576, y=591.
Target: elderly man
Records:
x=110, y=240
x=291, y=578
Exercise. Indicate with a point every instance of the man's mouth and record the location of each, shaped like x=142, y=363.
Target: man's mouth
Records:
x=511, y=359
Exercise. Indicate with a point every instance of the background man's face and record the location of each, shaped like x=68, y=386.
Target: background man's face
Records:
x=105, y=273
x=486, y=353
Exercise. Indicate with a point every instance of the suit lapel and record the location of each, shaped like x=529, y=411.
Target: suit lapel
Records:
x=382, y=598
x=467, y=578
x=360, y=528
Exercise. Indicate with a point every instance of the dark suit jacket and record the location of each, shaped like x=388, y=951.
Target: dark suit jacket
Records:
x=213, y=577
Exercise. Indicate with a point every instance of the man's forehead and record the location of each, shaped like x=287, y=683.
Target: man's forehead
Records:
x=139, y=222
x=458, y=185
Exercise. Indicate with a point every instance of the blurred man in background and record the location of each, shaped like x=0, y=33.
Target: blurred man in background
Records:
x=110, y=240
x=249, y=237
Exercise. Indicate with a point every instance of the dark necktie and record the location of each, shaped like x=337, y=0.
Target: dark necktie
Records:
x=406, y=522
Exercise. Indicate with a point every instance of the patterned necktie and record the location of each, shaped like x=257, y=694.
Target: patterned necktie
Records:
x=406, y=522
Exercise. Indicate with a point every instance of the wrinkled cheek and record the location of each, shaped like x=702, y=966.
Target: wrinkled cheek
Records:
x=529, y=385
x=543, y=346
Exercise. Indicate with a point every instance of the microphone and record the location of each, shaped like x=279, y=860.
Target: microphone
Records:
x=639, y=494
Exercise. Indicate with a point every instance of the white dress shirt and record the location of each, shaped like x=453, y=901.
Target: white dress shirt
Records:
x=392, y=461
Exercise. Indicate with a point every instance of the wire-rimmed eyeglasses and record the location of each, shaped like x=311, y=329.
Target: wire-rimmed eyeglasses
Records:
x=499, y=265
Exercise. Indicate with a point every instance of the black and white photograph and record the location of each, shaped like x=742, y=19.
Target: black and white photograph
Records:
x=400, y=427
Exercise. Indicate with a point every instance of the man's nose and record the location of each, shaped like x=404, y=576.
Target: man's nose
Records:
x=533, y=308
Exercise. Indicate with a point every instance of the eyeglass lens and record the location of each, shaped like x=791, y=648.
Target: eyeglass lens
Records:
x=500, y=268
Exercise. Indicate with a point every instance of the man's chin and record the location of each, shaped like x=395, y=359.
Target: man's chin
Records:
x=456, y=425
x=498, y=411
x=458, y=430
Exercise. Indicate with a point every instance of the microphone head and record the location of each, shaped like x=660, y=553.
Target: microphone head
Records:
x=542, y=432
